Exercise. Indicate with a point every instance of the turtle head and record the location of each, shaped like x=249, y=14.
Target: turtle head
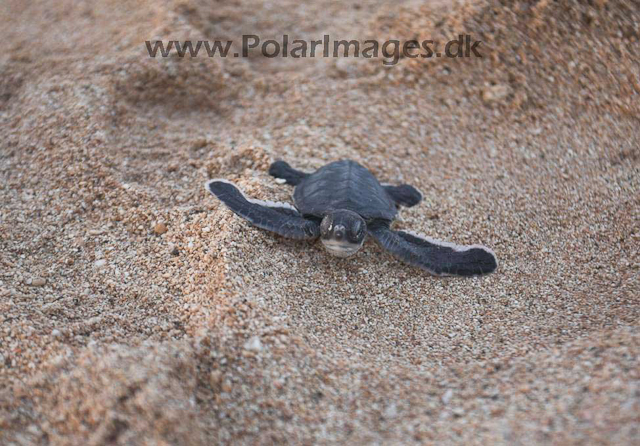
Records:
x=342, y=232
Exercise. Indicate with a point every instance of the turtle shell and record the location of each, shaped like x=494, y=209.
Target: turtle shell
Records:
x=344, y=185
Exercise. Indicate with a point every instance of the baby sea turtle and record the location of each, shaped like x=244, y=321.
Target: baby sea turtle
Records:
x=341, y=203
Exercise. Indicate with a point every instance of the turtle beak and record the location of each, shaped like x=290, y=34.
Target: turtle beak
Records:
x=339, y=232
x=342, y=248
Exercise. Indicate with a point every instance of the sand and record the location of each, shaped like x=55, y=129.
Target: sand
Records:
x=136, y=309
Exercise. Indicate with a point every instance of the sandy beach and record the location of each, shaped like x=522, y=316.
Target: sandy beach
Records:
x=136, y=309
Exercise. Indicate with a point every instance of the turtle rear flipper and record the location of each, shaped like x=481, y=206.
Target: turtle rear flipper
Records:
x=280, y=218
x=283, y=171
x=436, y=257
x=403, y=195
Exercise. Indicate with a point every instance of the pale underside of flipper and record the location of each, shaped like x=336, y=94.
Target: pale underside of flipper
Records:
x=436, y=257
x=281, y=218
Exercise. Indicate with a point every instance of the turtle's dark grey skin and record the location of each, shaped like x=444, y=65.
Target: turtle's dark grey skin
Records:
x=341, y=203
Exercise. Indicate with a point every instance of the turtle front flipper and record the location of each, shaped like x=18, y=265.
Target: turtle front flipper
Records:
x=436, y=257
x=280, y=218
x=403, y=195
x=283, y=171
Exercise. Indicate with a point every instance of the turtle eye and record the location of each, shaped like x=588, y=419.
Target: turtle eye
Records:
x=327, y=224
x=357, y=229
